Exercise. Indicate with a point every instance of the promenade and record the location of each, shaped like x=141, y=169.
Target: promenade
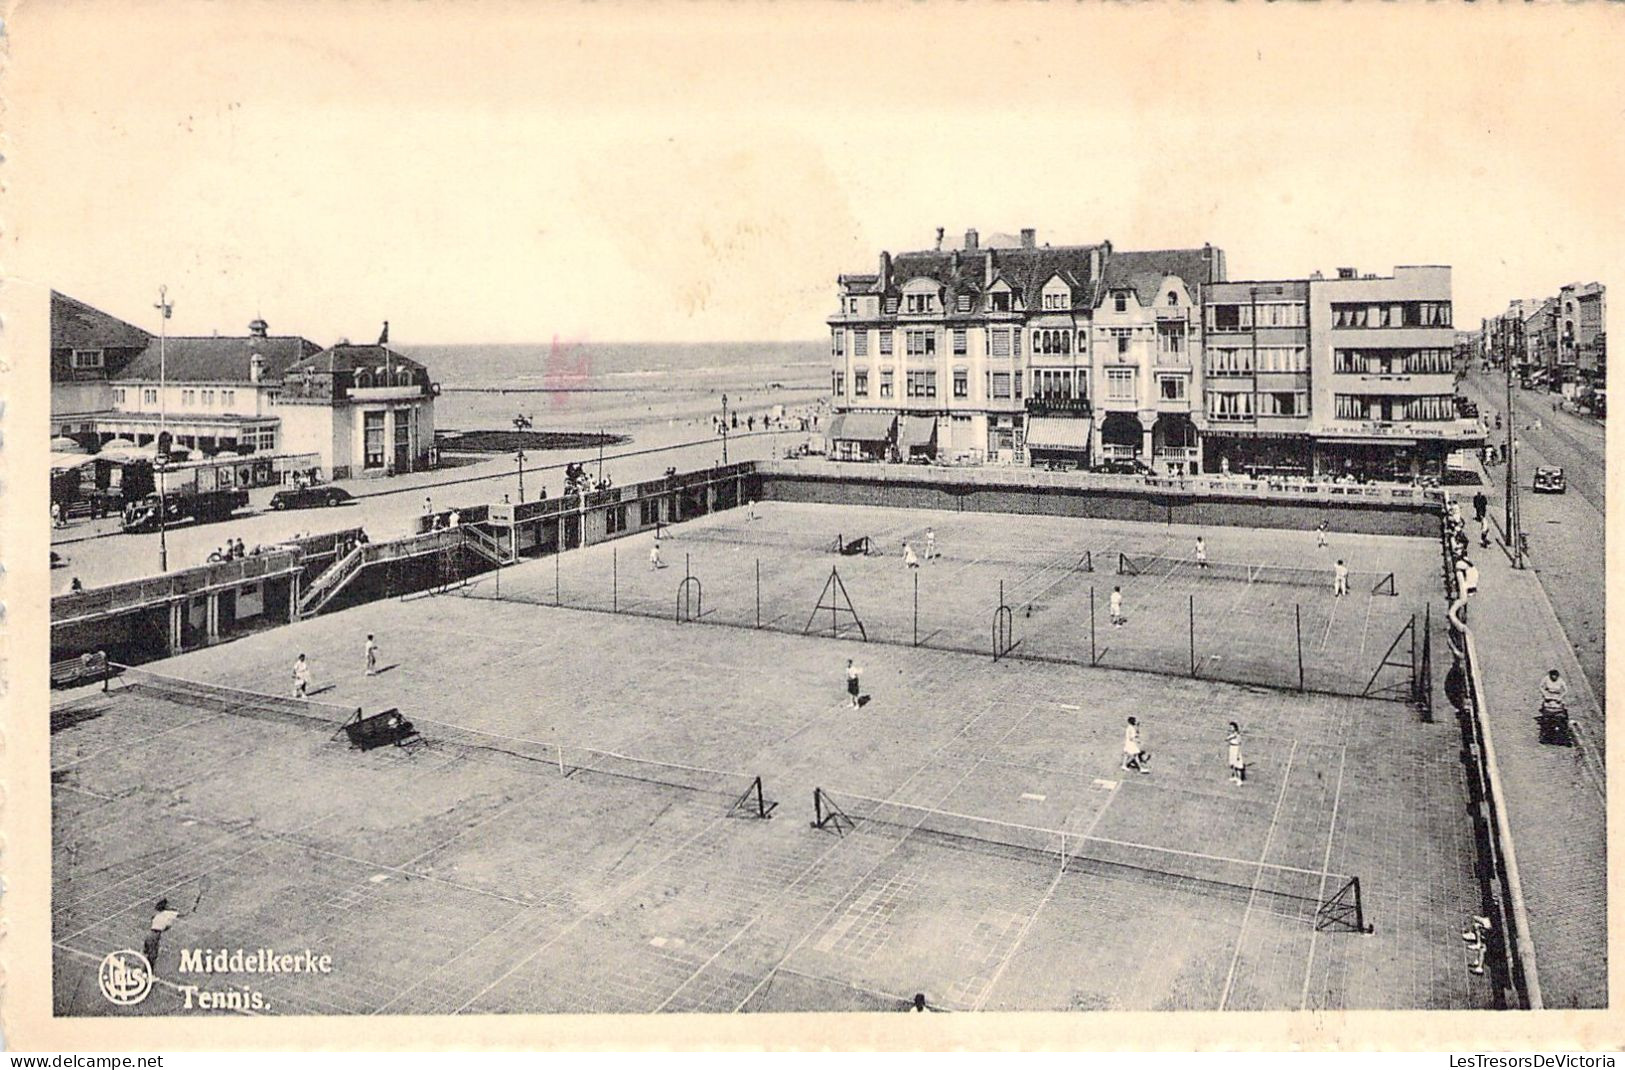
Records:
x=1553, y=795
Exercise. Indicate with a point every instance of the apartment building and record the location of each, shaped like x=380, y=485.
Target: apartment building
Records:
x=1011, y=350
x=1382, y=381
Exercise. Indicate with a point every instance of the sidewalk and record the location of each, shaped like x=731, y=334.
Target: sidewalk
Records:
x=1553, y=795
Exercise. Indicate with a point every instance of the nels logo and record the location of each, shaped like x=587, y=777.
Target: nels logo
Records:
x=125, y=977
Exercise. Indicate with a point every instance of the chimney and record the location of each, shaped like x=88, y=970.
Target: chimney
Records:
x=1095, y=258
x=940, y=232
x=1029, y=238
x=972, y=241
x=885, y=271
x=259, y=328
x=987, y=267
x=1347, y=273
x=256, y=366
x=956, y=261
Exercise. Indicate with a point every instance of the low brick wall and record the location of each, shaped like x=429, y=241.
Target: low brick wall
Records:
x=1054, y=494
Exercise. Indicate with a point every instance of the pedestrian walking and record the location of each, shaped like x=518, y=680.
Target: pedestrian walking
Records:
x=428, y=505
x=301, y=676
x=930, y=543
x=1116, y=607
x=372, y=656
x=852, y=674
x=162, y=919
x=1134, y=757
x=1238, y=768
x=1320, y=535
x=654, y=556
x=1201, y=553
x=910, y=558
x=1481, y=506
x=456, y=518
x=1340, y=579
x=750, y=510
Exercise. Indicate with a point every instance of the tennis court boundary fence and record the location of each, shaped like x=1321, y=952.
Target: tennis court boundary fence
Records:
x=1396, y=677
x=744, y=792
x=1329, y=901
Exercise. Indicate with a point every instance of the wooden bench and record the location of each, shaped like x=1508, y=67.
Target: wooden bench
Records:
x=84, y=669
x=384, y=729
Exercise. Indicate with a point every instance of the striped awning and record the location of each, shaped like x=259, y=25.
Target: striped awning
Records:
x=862, y=427
x=917, y=432
x=1058, y=433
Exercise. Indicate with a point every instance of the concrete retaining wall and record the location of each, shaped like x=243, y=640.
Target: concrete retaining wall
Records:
x=1141, y=504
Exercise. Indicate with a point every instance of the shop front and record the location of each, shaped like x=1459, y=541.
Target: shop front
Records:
x=862, y=436
x=1058, y=442
x=1257, y=453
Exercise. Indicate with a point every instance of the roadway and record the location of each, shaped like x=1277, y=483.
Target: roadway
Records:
x=97, y=553
x=1567, y=532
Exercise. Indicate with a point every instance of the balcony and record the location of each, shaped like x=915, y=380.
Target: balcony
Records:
x=1180, y=313
x=387, y=393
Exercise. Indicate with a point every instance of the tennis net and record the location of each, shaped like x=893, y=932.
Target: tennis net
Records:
x=1324, y=899
x=743, y=790
x=219, y=698
x=1288, y=575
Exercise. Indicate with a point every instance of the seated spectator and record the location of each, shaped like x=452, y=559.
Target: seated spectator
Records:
x=74, y=585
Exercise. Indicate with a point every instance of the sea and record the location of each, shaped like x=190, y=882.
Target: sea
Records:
x=610, y=385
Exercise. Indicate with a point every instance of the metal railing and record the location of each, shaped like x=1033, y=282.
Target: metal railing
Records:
x=137, y=594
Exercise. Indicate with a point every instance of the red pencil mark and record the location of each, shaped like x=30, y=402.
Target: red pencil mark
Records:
x=568, y=370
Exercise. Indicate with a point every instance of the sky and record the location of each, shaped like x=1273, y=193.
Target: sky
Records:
x=507, y=173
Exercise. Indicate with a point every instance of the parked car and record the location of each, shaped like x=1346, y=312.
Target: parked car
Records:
x=1549, y=479
x=309, y=497
x=1121, y=467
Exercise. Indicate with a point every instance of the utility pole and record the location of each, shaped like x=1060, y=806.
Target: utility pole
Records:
x=160, y=452
x=1514, y=516
x=521, y=475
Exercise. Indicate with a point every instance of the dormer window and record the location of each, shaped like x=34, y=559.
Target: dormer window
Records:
x=363, y=379
x=1056, y=300
x=1173, y=299
x=92, y=358
x=998, y=302
x=1120, y=301
x=918, y=304
x=964, y=302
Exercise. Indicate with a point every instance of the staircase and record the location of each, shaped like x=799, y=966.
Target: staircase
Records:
x=325, y=586
x=342, y=571
x=481, y=542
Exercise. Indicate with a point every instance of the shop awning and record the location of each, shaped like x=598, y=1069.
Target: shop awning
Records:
x=862, y=427
x=917, y=432
x=1058, y=433
x=61, y=462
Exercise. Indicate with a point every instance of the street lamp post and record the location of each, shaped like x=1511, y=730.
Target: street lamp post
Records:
x=725, y=429
x=160, y=453
x=521, y=475
x=1514, y=515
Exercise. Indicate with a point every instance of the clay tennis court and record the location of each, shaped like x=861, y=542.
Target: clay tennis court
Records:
x=570, y=837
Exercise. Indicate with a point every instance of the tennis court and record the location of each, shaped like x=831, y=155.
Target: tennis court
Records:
x=570, y=836
x=1260, y=609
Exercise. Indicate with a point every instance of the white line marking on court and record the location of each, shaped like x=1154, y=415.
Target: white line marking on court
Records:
x=1365, y=631
x=1325, y=863
x=1026, y=926
x=1032, y=797
x=1263, y=859
x=1068, y=706
x=1106, y=785
x=799, y=944
x=1331, y=616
